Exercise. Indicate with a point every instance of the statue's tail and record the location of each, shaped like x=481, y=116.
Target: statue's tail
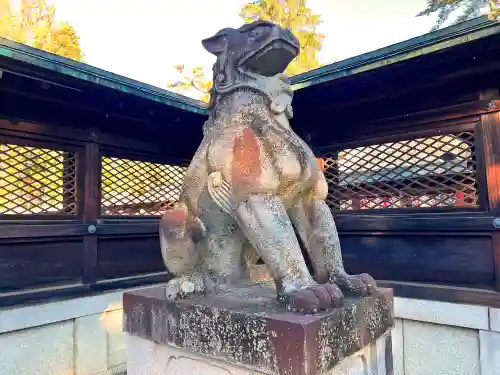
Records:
x=179, y=235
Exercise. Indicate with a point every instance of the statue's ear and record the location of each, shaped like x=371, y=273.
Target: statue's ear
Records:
x=215, y=44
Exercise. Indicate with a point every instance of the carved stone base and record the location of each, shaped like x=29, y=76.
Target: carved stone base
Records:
x=245, y=332
x=144, y=357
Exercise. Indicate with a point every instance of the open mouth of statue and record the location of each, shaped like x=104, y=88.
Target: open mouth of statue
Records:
x=272, y=59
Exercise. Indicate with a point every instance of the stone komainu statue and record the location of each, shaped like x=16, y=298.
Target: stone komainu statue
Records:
x=251, y=181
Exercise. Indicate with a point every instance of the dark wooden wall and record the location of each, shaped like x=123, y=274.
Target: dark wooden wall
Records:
x=448, y=254
x=444, y=253
x=46, y=256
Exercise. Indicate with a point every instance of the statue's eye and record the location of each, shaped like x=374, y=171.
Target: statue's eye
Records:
x=257, y=31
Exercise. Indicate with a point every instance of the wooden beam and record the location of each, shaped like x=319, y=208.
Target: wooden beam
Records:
x=390, y=134
x=23, y=230
x=91, y=210
x=79, y=290
x=496, y=259
x=490, y=129
x=443, y=113
x=444, y=293
x=65, y=135
x=400, y=222
x=491, y=146
x=128, y=227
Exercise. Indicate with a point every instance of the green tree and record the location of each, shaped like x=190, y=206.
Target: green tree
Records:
x=132, y=187
x=34, y=24
x=32, y=179
x=195, y=82
x=464, y=9
x=292, y=14
x=296, y=16
x=64, y=41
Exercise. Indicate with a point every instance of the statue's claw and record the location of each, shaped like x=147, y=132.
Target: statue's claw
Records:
x=362, y=284
x=182, y=287
x=335, y=293
x=313, y=299
x=220, y=191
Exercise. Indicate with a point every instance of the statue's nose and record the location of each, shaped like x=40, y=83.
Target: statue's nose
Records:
x=289, y=34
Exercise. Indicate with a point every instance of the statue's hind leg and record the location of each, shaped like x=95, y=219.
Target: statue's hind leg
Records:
x=265, y=223
x=223, y=246
x=314, y=223
x=219, y=253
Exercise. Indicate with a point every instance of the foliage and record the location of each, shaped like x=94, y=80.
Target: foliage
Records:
x=147, y=186
x=34, y=24
x=196, y=80
x=467, y=9
x=302, y=22
x=37, y=180
x=31, y=180
x=494, y=14
x=291, y=14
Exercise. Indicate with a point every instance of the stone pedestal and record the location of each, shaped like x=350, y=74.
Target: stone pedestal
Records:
x=245, y=332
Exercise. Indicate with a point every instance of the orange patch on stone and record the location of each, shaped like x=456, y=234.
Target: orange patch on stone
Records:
x=246, y=167
x=321, y=163
x=174, y=216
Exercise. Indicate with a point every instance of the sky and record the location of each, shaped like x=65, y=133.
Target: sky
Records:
x=145, y=39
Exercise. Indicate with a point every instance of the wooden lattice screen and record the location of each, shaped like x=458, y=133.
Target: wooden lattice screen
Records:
x=42, y=181
x=430, y=172
x=37, y=180
x=138, y=188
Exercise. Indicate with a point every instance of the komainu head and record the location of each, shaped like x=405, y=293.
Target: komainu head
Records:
x=259, y=48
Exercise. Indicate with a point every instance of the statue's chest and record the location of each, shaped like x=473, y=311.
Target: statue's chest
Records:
x=269, y=158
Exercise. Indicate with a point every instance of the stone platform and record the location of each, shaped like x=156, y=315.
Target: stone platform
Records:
x=246, y=328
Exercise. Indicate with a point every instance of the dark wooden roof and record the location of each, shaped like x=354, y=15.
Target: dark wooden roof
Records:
x=342, y=101
x=40, y=87
x=41, y=63
x=422, y=45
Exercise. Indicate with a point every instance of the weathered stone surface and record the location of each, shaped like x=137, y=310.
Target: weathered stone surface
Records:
x=46, y=350
x=254, y=186
x=247, y=326
x=397, y=346
x=489, y=352
x=440, y=350
x=146, y=357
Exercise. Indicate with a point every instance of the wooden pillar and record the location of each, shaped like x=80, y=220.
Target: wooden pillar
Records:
x=91, y=209
x=356, y=203
x=490, y=126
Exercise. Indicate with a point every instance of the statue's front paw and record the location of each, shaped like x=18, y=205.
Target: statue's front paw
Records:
x=183, y=287
x=313, y=299
x=362, y=284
